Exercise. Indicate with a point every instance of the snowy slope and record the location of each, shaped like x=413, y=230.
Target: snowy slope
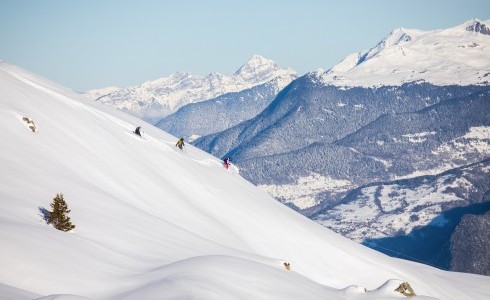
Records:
x=156, y=99
x=458, y=55
x=155, y=222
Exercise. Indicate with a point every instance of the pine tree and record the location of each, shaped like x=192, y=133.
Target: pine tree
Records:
x=58, y=217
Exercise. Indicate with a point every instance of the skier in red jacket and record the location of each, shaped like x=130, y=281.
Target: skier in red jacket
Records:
x=226, y=162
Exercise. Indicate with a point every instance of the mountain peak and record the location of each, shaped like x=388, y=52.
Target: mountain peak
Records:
x=396, y=37
x=407, y=55
x=257, y=64
x=259, y=59
x=156, y=99
x=477, y=26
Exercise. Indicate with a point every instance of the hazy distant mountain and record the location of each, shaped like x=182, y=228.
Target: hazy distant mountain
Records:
x=156, y=99
x=415, y=105
x=210, y=116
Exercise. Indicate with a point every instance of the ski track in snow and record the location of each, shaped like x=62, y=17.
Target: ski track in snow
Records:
x=124, y=125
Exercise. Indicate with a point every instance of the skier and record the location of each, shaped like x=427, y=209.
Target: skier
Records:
x=137, y=130
x=180, y=143
x=227, y=162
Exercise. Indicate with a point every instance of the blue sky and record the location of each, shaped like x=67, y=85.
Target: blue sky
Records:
x=92, y=44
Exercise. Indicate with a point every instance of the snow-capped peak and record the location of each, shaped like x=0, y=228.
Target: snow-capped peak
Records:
x=397, y=37
x=155, y=99
x=257, y=65
x=443, y=57
x=260, y=68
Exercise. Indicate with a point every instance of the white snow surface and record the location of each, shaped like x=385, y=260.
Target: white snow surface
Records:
x=158, y=98
x=454, y=56
x=154, y=222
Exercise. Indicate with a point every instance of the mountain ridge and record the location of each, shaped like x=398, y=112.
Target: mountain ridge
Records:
x=158, y=98
x=405, y=55
x=210, y=116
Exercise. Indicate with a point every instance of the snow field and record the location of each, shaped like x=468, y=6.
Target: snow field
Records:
x=156, y=222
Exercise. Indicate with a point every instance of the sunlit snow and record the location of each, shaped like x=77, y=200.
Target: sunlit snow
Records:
x=155, y=222
x=439, y=57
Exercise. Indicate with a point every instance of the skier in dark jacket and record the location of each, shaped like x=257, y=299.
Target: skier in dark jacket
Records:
x=180, y=143
x=137, y=130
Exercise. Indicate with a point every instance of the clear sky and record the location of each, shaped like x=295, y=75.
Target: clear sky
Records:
x=95, y=43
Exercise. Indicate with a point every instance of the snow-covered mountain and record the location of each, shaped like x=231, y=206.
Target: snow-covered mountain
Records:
x=454, y=56
x=322, y=139
x=156, y=222
x=307, y=115
x=417, y=217
x=156, y=99
x=207, y=117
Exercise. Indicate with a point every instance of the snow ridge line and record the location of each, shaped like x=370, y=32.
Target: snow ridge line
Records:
x=67, y=99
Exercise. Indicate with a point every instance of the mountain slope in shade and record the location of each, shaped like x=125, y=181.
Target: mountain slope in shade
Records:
x=306, y=113
x=454, y=56
x=398, y=207
x=223, y=112
x=394, y=146
x=156, y=222
x=471, y=259
x=156, y=99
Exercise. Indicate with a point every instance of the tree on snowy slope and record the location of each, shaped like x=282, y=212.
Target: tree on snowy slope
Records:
x=58, y=217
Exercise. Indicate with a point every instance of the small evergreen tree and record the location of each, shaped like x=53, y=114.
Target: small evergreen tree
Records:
x=58, y=217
